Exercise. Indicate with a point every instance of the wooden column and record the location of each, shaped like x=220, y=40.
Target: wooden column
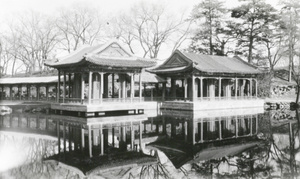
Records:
x=58, y=87
x=28, y=91
x=101, y=86
x=251, y=125
x=19, y=92
x=105, y=90
x=132, y=85
x=101, y=138
x=112, y=85
x=132, y=137
x=82, y=138
x=220, y=128
x=90, y=88
x=193, y=88
x=251, y=87
x=236, y=87
x=140, y=86
x=69, y=83
x=47, y=92
x=173, y=88
x=140, y=136
x=236, y=127
x=185, y=88
x=64, y=87
x=220, y=87
x=10, y=92
x=37, y=86
x=64, y=137
x=201, y=87
x=82, y=87
x=90, y=140
x=58, y=135
x=163, y=91
x=256, y=88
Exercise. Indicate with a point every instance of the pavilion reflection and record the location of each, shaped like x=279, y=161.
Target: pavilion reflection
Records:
x=191, y=136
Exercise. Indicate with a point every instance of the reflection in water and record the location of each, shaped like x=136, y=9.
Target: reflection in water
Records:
x=244, y=145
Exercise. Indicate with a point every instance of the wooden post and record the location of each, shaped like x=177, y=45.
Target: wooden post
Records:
x=140, y=86
x=164, y=91
x=101, y=138
x=20, y=92
x=132, y=137
x=132, y=86
x=251, y=88
x=82, y=138
x=64, y=137
x=101, y=86
x=220, y=87
x=193, y=88
x=90, y=88
x=236, y=87
x=58, y=87
x=201, y=87
x=185, y=88
x=140, y=136
x=10, y=92
x=37, y=86
x=256, y=88
x=113, y=85
x=82, y=87
x=47, y=92
x=90, y=140
x=220, y=129
x=69, y=83
x=58, y=135
x=236, y=127
x=64, y=86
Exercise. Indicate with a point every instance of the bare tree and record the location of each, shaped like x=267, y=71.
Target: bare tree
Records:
x=78, y=26
x=32, y=40
x=148, y=26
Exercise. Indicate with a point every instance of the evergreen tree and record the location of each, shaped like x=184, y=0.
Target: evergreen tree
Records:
x=252, y=16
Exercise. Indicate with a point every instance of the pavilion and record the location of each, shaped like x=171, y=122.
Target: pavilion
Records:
x=199, y=78
x=98, y=68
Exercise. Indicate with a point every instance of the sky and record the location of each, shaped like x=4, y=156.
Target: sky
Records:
x=12, y=9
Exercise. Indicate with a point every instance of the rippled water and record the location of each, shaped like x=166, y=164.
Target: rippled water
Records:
x=177, y=144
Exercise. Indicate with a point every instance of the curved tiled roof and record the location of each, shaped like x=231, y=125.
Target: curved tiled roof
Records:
x=93, y=54
x=29, y=80
x=208, y=64
x=120, y=62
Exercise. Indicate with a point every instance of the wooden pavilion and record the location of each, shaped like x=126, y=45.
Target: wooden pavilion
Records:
x=96, y=69
x=197, y=77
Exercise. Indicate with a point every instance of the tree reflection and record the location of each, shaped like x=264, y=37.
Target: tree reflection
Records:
x=275, y=157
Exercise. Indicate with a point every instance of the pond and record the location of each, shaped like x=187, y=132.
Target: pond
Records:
x=244, y=143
